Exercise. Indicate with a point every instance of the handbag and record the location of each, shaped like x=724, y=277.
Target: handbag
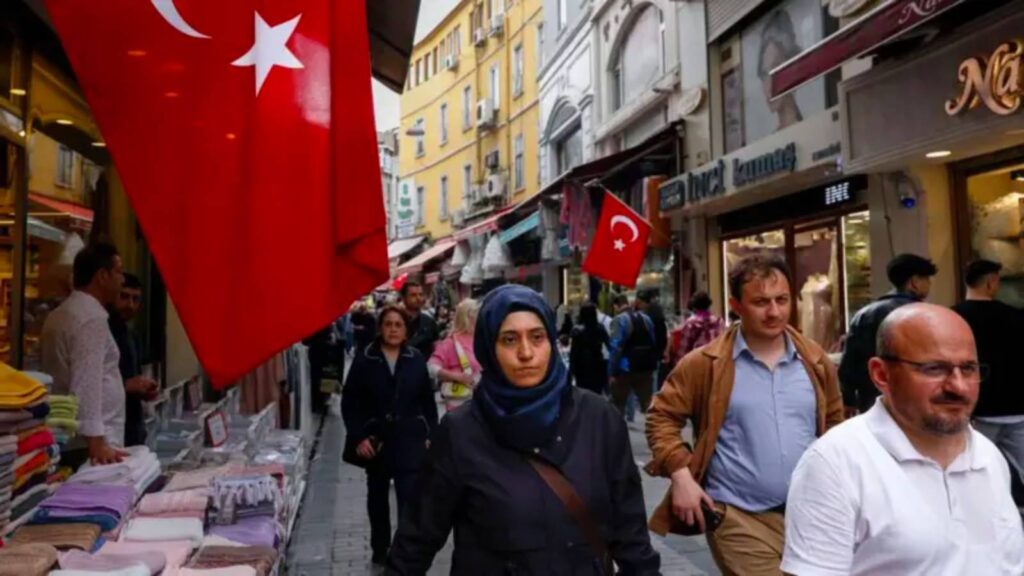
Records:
x=458, y=390
x=576, y=508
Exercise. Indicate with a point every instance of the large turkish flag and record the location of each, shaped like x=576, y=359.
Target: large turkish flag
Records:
x=620, y=243
x=243, y=132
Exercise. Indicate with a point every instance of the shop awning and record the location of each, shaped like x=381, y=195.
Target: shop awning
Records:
x=69, y=208
x=525, y=225
x=436, y=251
x=890, y=20
x=489, y=224
x=40, y=229
x=402, y=246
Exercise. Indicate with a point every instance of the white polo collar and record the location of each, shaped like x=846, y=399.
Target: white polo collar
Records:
x=889, y=434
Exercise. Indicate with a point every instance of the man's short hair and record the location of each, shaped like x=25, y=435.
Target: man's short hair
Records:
x=409, y=284
x=620, y=300
x=756, y=266
x=905, y=266
x=975, y=272
x=700, y=301
x=90, y=260
x=131, y=281
x=647, y=296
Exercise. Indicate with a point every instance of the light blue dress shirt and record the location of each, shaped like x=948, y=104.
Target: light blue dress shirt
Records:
x=770, y=421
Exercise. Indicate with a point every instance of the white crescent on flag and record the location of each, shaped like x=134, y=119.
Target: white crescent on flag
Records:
x=629, y=223
x=169, y=11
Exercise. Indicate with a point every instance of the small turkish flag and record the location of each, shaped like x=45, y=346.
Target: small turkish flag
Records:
x=620, y=243
x=243, y=132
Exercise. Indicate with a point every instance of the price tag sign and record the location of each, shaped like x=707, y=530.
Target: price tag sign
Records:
x=194, y=389
x=216, y=429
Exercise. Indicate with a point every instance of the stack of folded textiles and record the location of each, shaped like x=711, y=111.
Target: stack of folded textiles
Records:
x=142, y=563
x=260, y=559
x=63, y=418
x=255, y=498
x=184, y=504
x=26, y=448
x=139, y=470
x=104, y=505
x=175, y=553
x=60, y=536
x=27, y=559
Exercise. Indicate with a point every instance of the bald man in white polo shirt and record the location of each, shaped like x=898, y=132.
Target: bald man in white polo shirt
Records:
x=908, y=488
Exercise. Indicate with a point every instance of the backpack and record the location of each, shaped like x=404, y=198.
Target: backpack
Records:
x=639, y=348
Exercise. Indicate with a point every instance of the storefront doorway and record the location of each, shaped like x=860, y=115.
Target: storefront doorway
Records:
x=828, y=254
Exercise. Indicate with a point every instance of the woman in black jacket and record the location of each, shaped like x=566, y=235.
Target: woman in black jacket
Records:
x=480, y=477
x=389, y=411
x=586, y=362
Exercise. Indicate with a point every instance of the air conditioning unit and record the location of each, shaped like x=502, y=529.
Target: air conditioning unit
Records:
x=458, y=217
x=492, y=160
x=479, y=36
x=497, y=25
x=476, y=195
x=451, y=62
x=485, y=115
x=495, y=187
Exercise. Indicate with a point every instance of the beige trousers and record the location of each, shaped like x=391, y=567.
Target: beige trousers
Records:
x=748, y=543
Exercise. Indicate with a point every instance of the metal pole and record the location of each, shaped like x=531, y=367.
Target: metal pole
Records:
x=16, y=327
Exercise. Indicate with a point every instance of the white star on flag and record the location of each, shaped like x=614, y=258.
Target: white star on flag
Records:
x=619, y=245
x=270, y=49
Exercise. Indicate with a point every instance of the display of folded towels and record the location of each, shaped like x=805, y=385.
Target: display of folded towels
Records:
x=63, y=417
x=27, y=559
x=133, y=570
x=256, y=531
x=201, y=478
x=175, y=553
x=60, y=536
x=104, y=505
x=153, y=561
x=184, y=504
x=227, y=571
x=258, y=558
x=18, y=390
x=161, y=529
x=140, y=469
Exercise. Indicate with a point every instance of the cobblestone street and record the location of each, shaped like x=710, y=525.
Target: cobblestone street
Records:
x=333, y=532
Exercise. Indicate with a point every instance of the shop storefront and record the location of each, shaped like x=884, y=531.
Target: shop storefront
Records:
x=960, y=143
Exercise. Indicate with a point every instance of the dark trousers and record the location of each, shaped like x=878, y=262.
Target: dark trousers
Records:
x=378, y=487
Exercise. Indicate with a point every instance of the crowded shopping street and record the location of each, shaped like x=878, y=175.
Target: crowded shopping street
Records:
x=511, y=287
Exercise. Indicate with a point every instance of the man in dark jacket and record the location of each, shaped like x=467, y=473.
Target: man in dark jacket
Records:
x=911, y=278
x=647, y=302
x=364, y=327
x=423, y=331
x=634, y=355
x=999, y=414
x=137, y=388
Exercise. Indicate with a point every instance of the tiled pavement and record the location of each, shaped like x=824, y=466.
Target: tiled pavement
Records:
x=332, y=535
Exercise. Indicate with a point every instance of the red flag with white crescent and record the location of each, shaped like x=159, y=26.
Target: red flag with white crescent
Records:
x=620, y=243
x=243, y=133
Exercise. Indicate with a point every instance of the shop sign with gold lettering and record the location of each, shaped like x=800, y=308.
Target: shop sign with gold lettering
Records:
x=994, y=81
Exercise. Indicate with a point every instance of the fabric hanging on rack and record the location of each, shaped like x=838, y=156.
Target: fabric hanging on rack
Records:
x=262, y=387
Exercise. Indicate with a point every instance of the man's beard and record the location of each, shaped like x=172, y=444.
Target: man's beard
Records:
x=946, y=426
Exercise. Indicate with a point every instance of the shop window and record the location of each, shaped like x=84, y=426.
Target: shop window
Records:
x=65, y=173
x=790, y=28
x=857, y=247
x=995, y=203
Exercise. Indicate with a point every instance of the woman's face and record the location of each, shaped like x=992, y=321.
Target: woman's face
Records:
x=393, y=330
x=523, y=349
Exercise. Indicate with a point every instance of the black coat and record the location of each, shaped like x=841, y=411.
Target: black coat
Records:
x=364, y=327
x=506, y=519
x=587, y=365
x=396, y=409
x=858, y=390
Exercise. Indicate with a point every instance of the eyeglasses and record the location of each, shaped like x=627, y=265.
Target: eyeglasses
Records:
x=939, y=370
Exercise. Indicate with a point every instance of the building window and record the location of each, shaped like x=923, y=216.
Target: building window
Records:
x=444, y=123
x=444, y=197
x=519, y=167
x=420, y=144
x=517, y=71
x=426, y=67
x=540, y=47
x=569, y=151
x=420, y=198
x=65, y=177
x=408, y=78
x=435, y=61
x=419, y=71
x=563, y=13
x=467, y=108
x=467, y=184
x=456, y=45
x=635, y=66
x=495, y=86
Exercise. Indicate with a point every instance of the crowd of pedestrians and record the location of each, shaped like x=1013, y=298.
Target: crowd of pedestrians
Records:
x=532, y=471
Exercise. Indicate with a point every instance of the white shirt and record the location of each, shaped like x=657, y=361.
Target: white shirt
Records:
x=864, y=501
x=79, y=351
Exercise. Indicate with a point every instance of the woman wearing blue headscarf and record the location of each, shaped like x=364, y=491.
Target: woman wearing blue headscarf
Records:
x=534, y=476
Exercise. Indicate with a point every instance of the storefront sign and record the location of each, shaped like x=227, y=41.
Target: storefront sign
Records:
x=834, y=149
x=765, y=166
x=693, y=187
x=995, y=81
x=838, y=193
x=846, y=8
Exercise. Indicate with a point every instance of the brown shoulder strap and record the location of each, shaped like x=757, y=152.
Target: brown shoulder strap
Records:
x=562, y=488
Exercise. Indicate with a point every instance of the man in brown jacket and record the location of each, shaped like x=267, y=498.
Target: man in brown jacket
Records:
x=758, y=396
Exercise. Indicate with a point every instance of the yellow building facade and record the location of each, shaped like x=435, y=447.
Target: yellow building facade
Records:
x=470, y=117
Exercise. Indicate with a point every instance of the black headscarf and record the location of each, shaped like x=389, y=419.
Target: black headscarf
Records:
x=521, y=418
